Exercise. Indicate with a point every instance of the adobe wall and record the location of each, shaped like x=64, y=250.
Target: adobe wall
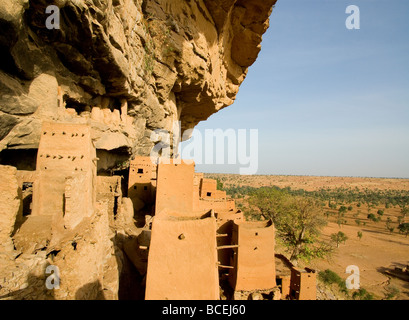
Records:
x=217, y=205
x=225, y=222
x=26, y=176
x=208, y=190
x=211, y=198
x=207, y=186
x=197, y=179
x=182, y=262
x=175, y=189
x=303, y=284
x=109, y=191
x=285, y=286
x=65, y=151
x=254, y=259
x=142, y=181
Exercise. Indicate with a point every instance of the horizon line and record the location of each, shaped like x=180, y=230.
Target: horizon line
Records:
x=307, y=175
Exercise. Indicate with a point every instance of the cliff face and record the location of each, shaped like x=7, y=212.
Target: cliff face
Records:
x=126, y=66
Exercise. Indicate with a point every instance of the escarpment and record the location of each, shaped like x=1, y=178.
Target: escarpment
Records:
x=127, y=67
x=83, y=85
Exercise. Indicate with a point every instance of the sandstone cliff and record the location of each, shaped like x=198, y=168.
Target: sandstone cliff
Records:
x=126, y=66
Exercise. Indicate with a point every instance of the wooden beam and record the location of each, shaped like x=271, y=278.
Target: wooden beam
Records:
x=230, y=246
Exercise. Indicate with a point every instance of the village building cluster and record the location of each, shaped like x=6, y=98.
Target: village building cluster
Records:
x=194, y=237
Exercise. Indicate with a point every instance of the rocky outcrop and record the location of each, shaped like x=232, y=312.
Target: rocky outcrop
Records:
x=127, y=67
x=10, y=206
x=85, y=255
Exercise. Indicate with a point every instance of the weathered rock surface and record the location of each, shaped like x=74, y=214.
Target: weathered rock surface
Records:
x=128, y=67
x=10, y=206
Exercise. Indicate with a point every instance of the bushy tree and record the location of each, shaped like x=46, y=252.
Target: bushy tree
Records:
x=362, y=294
x=299, y=226
x=339, y=237
x=342, y=209
x=219, y=184
x=373, y=218
x=340, y=222
x=404, y=211
x=389, y=225
x=298, y=221
x=404, y=228
x=269, y=202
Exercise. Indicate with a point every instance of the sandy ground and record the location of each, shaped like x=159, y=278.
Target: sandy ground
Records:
x=310, y=183
x=376, y=252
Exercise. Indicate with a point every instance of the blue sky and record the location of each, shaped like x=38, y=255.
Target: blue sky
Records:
x=326, y=100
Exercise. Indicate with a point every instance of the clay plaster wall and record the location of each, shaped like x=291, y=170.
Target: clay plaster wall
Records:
x=65, y=150
x=217, y=205
x=197, y=178
x=254, y=259
x=303, y=284
x=208, y=190
x=285, y=286
x=142, y=180
x=182, y=263
x=175, y=189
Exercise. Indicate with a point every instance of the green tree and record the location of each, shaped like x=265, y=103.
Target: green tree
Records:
x=342, y=210
x=327, y=214
x=340, y=222
x=373, y=218
x=299, y=225
x=329, y=277
x=219, y=184
x=339, y=237
x=362, y=294
x=404, y=228
x=298, y=221
x=400, y=219
x=359, y=235
x=389, y=225
x=269, y=202
x=404, y=212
